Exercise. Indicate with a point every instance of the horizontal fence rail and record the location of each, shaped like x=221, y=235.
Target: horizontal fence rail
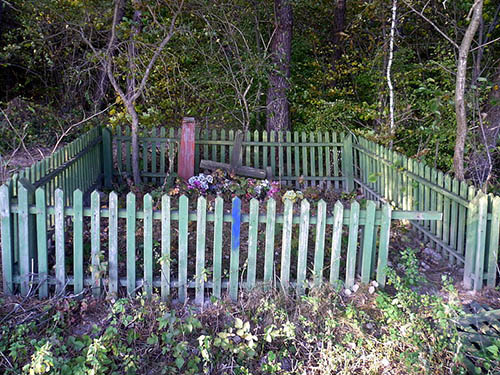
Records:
x=193, y=249
x=467, y=236
x=321, y=159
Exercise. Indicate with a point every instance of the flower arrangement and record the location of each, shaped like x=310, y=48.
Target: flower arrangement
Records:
x=220, y=183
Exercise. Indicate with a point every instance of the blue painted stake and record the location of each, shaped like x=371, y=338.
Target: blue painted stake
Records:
x=235, y=249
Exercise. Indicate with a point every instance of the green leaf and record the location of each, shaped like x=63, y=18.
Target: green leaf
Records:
x=179, y=362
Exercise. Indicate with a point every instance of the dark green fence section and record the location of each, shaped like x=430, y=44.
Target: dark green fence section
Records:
x=468, y=233
x=315, y=159
x=77, y=165
x=106, y=247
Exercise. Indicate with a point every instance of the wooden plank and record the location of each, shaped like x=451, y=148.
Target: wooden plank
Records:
x=144, y=160
x=248, y=160
x=131, y=228
x=7, y=233
x=303, y=245
x=471, y=241
x=256, y=151
x=319, y=247
x=338, y=216
x=148, y=244
x=368, y=242
x=455, y=188
x=305, y=171
x=321, y=172
x=427, y=195
x=433, y=206
x=494, y=242
x=183, y=247
x=253, y=233
x=113, y=245
x=269, y=245
x=286, y=244
x=328, y=167
x=201, y=224
x=265, y=162
x=462, y=211
x=23, y=230
x=59, y=242
x=272, y=138
x=348, y=163
x=107, y=153
x=214, y=147
x=163, y=149
x=6, y=237
x=165, y=247
x=154, y=148
x=41, y=229
x=205, y=146
x=335, y=161
x=312, y=151
x=446, y=215
x=439, y=207
x=235, y=249
x=296, y=157
x=77, y=240
x=218, y=227
x=352, y=245
x=289, y=156
x=383, y=250
x=223, y=147
x=281, y=171
x=481, y=241
x=95, y=243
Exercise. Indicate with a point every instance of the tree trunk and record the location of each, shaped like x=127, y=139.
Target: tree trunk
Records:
x=461, y=114
x=278, y=116
x=338, y=29
x=135, y=144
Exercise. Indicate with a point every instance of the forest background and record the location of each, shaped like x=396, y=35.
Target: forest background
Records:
x=401, y=72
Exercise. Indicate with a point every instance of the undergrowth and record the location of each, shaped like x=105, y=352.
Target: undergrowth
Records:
x=397, y=332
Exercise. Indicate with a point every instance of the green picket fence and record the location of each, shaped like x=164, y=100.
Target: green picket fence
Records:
x=77, y=165
x=120, y=248
x=316, y=158
x=467, y=236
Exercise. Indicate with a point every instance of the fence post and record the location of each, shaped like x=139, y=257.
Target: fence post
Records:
x=187, y=148
x=107, y=157
x=347, y=164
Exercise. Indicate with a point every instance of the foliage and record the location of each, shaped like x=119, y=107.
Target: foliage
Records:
x=265, y=333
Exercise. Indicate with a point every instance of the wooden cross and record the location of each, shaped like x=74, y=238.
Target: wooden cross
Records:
x=236, y=167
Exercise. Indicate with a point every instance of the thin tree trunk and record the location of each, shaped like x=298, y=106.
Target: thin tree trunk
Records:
x=338, y=29
x=135, y=145
x=278, y=115
x=461, y=114
x=103, y=80
x=392, y=126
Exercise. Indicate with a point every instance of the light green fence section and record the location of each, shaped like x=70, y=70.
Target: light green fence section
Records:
x=467, y=235
x=313, y=158
x=225, y=249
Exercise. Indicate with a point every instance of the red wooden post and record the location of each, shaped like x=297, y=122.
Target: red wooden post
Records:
x=186, y=150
